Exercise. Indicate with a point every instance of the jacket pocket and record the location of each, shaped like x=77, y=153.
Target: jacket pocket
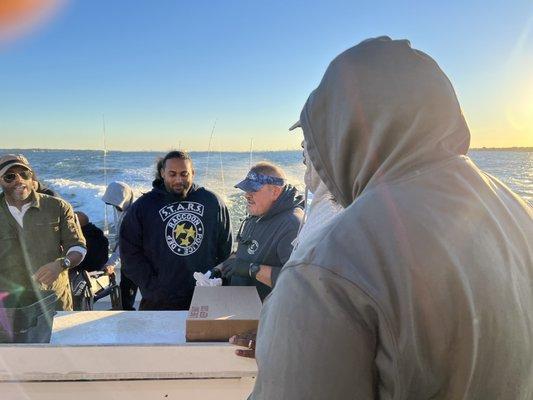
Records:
x=9, y=244
x=46, y=238
x=47, y=228
x=7, y=235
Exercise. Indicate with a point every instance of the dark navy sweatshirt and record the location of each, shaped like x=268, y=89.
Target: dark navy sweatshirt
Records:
x=164, y=239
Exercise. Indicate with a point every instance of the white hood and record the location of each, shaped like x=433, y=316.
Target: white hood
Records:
x=118, y=194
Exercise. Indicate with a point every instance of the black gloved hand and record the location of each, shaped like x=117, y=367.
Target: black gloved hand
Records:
x=235, y=267
x=215, y=273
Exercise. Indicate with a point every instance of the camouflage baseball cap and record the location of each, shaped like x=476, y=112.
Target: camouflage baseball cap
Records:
x=10, y=160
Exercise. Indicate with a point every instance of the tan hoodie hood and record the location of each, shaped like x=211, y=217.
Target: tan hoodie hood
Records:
x=422, y=287
x=382, y=111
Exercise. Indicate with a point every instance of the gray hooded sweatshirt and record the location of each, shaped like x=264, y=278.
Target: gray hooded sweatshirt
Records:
x=422, y=287
x=119, y=195
x=267, y=239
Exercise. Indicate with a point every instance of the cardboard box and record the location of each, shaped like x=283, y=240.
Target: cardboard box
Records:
x=217, y=313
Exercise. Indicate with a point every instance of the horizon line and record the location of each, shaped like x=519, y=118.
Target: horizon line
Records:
x=521, y=148
x=150, y=151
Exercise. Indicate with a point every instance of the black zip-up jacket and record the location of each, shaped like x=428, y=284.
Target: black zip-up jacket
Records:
x=268, y=239
x=164, y=239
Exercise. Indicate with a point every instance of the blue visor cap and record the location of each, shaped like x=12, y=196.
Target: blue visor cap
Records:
x=254, y=181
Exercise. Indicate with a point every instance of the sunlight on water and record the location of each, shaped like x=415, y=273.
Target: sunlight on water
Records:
x=515, y=169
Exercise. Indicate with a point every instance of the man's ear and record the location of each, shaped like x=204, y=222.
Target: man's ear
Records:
x=276, y=191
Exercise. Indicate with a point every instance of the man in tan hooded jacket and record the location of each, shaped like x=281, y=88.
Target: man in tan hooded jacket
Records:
x=422, y=287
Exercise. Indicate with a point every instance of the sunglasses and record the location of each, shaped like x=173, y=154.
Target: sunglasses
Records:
x=11, y=176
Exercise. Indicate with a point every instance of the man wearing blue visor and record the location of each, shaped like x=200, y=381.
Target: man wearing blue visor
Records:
x=265, y=237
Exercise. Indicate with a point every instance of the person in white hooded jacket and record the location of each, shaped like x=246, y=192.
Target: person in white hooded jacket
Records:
x=323, y=205
x=422, y=287
x=321, y=208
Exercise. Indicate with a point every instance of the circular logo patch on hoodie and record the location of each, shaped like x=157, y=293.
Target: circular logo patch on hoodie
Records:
x=254, y=246
x=184, y=233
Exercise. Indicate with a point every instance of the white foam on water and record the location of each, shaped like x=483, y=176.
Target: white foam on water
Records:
x=87, y=197
x=60, y=184
x=83, y=196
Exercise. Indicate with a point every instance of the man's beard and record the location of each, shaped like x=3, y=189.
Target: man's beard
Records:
x=182, y=194
x=311, y=178
x=21, y=195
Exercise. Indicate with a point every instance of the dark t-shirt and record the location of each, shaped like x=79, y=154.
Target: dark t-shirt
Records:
x=97, y=249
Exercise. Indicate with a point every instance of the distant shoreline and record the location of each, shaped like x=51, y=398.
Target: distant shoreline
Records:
x=162, y=152
x=517, y=149
x=513, y=149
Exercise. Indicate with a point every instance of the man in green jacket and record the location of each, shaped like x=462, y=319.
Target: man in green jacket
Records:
x=40, y=238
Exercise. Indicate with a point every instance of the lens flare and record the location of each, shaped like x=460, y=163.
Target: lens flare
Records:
x=21, y=17
x=5, y=323
x=519, y=93
x=519, y=110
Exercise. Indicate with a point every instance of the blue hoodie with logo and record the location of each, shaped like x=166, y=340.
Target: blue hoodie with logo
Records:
x=164, y=239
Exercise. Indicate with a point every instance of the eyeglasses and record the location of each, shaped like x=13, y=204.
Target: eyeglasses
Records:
x=11, y=176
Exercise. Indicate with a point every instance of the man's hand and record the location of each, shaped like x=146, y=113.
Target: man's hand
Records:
x=48, y=273
x=235, y=266
x=245, y=340
x=109, y=269
x=223, y=266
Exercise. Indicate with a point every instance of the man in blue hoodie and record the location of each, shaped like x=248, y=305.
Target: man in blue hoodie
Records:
x=172, y=231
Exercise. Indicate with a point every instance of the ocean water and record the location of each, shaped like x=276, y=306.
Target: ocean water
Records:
x=80, y=176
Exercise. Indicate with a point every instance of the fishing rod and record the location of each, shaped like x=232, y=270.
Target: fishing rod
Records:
x=106, y=225
x=209, y=149
x=222, y=170
x=251, y=153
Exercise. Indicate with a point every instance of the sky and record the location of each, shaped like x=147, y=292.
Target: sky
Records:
x=234, y=75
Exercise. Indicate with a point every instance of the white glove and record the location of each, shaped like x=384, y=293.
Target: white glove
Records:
x=203, y=279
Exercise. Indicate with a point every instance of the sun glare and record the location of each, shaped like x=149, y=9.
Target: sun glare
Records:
x=21, y=17
x=519, y=112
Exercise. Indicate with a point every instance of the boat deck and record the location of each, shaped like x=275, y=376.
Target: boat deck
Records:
x=123, y=355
